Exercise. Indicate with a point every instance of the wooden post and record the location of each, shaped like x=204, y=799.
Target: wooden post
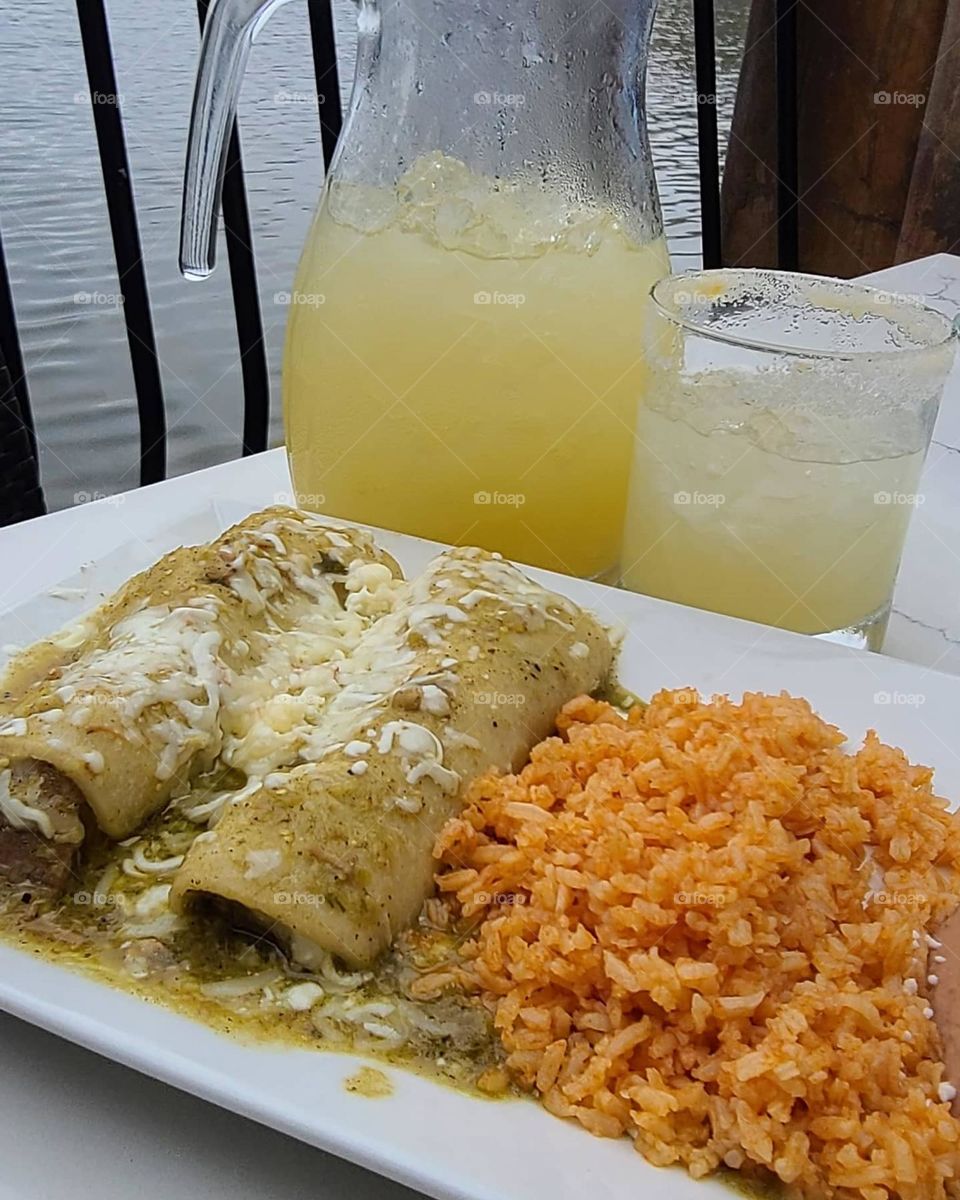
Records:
x=859, y=66
x=931, y=223
x=748, y=196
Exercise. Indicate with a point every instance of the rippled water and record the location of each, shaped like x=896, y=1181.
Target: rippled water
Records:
x=57, y=237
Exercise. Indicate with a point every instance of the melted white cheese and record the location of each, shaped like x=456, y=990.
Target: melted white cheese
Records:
x=170, y=676
x=20, y=815
x=302, y=996
x=138, y=863
x=388, y=664
x=153, y=901
x=262, y=862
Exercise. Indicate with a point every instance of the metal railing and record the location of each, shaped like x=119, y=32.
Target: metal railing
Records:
x=125, y=232
x=124, y=226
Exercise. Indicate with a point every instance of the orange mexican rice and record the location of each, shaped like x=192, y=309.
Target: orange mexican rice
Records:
x=706, y=925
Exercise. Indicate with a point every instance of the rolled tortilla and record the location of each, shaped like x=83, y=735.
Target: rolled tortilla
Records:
x=108, y=719
x=468, y=672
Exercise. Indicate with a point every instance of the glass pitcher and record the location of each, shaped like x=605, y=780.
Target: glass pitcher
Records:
x=463, y=356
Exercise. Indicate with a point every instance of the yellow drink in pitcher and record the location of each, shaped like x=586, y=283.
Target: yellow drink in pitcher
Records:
x=464, y=363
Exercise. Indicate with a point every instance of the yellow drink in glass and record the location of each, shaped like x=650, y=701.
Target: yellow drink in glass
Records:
x=811, y=546
x=779, y=447
x=463, y=363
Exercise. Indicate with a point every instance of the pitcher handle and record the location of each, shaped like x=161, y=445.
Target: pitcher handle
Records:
x=230, y=31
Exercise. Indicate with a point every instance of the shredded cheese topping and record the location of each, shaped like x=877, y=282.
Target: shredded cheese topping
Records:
x=20, y=815
x=177, y=678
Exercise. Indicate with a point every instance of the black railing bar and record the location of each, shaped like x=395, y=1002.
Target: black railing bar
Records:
x=246, y=292
x=327, y=75
x=118, y=188
x=12, y=354
x=246, y=303
x=705, y=52
x=788, y=141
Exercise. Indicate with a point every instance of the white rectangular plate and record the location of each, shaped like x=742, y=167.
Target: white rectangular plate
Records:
x=449, y=1145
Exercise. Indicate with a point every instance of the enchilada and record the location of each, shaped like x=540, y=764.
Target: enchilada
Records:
x=101, y=724
x=333, y=854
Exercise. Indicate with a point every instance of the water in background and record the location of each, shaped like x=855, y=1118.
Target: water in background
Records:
x=57, y=237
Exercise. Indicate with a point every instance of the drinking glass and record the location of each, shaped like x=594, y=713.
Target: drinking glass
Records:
x=779, y=447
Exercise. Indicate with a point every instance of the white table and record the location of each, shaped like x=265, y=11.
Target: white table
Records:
x=925, y=626
x=74, y=1124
